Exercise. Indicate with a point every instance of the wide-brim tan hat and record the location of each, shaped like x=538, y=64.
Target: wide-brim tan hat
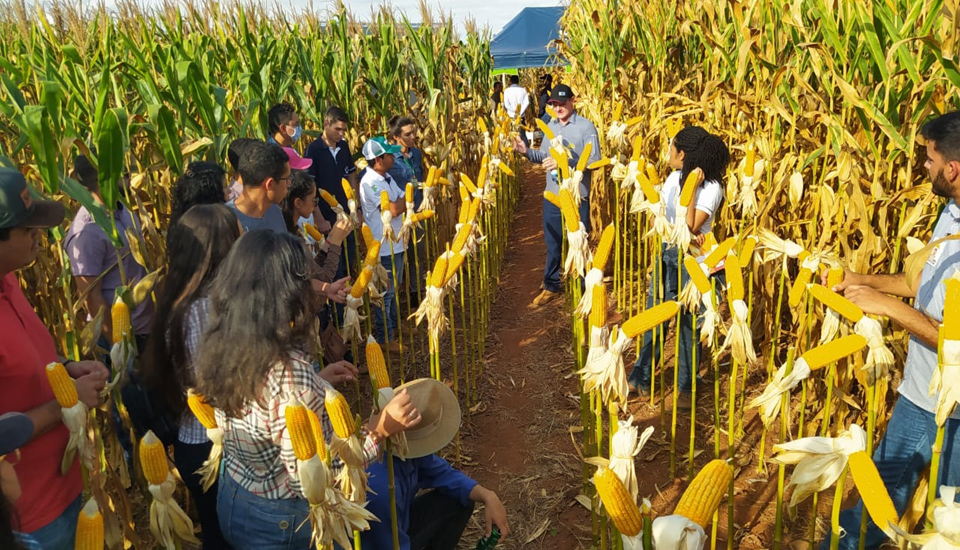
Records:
x=440, y=416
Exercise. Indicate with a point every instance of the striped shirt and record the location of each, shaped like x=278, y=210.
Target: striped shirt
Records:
x=257, y=452
x=191, y=430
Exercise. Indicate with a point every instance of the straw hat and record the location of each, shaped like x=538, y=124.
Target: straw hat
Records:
x=440, y=413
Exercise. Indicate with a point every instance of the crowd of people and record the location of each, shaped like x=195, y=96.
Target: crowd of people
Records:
x=235, y=319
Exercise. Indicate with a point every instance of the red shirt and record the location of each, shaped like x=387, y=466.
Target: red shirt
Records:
x=26, y=348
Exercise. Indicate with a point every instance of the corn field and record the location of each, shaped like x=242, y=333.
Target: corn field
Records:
x=821, y=103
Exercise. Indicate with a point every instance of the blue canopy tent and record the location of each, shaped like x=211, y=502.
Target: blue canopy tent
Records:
x=525, y=41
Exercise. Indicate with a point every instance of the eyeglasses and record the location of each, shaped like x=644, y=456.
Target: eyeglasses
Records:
x=6, y=458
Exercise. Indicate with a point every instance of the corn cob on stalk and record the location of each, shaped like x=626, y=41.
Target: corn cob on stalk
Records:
x=623, y=511
x=311, y=231
x=205, y=414
x=367, y=233
x=552, y=198
x=945, y=382
x=429, y=190
x=703, y=496
x=819, y=460
x=346, y=444
x=123, y=350
x=386, y=218
x=351, y=314
x=168, y=522
x=800, y=287
x=874, y=494
x=739, y=337
x=89, y=534
x=746, y=252
x=681, y=236
x=74, y=414
x=837, y=307
x=596, y=372
x=697, y=285
x=625, y=446
x=351, y=201
x=721, y=251
x=595, y=275
x=578, y=248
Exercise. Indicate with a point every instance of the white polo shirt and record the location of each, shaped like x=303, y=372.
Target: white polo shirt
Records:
x=515, y=100
x=371, y=185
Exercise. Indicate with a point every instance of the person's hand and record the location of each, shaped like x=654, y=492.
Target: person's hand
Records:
x=339, y=372
x=399, y=415
x=495, y=514
x=550, y=163
x=849, y=279
x=337, y=290
x=519, y=146
x=76, y=369
x=698, y=239
x=89, y=387
x=340, y=230
x=871, y=301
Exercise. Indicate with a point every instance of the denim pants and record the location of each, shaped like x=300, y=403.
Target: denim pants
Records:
x=385, y=319
x=252, y=522
x=60, y=533
x=553, y=235
x=901, y=456
x=649, y=354
x=189, y=457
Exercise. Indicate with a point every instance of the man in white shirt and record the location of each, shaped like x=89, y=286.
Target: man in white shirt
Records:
x=376, y=181
x=516, y=100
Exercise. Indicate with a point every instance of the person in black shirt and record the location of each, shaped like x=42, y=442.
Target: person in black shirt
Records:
x=546, y=84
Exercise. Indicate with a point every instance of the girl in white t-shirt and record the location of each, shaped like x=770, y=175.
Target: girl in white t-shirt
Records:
x=692, y=148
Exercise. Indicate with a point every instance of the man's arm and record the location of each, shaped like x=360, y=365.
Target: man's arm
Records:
x=94, y=301
x=895, y=284
x=874, y=302
x=493, y=510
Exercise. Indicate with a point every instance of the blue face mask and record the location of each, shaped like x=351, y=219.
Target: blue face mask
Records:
x=297, y=132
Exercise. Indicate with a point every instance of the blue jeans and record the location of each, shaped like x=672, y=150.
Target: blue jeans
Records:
x=59, y=534
x=256, y=523
x=901, y=456
x=649, y=354
x=385, y=320
x=553, y=235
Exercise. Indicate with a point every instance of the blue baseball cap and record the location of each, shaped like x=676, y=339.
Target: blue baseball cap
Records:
x=16, y=429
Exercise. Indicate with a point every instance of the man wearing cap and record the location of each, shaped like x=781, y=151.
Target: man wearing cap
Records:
x=50, y=501
x=376, y=180
x=434, y=519
x=575, y=132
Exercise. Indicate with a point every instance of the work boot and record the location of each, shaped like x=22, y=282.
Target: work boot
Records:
x=545, y=297
x=684, y=402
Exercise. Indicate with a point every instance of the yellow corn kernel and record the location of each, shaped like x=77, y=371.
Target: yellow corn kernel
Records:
x=674, y=125
x=563, y=163
x=317, y=428
x=339, y=412
x=377, y=365
x=834, y=277
x=453, y=264
x=201, y=409
x=633, y=121
x=697, y=276
x=710, y=241
x=481, y=126
x=598, y=308
x=474, y=210
x=373, y=254
x=689, y=186
x=367, y=234
x=571, y=217
x=153, y=459
x=621, y=508
x=347, y=189
x=599, y=163
x=649, y=191
x=89, y=534
x=408, y=193
x=644, y=321
x=748, y=168
x=746, y=253
x=439, y=271
x=466, y=181
x=951, y=310
x=720, y=252
x=506, y=169
x=313, y=231
x=464, y=194
x=360, y=285
x=800, y=287
x=328, y=198
x=547, y=132
x=431, y=177
x=298, y=425
x=584, y=156
x=462, y=235
x=652, y=175
x=618, y=110
x=464, y=210
x=422, y=216
x=836, y=302
x=705, y=493
x=64, y=388
x=734, y=278
x=604, y=247
x=834, y=351
x=552, y=198
x=120, y=317
x=482, y=175
x=874, y=494
x=384, y=201
x=637, y=153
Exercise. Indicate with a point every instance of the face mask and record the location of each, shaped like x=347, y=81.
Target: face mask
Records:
x=297, y=132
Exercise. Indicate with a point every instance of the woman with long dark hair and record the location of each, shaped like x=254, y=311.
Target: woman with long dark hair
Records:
x=257, y=352
x=199, y=242
x=202, y=183
x=692, y=148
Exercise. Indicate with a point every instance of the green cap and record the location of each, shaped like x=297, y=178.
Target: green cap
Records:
x=377, y=147
x=18, y=208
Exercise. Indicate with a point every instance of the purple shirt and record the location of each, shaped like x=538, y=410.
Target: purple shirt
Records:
x=91, y=253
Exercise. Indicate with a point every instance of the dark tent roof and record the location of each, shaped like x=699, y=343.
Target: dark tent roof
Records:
x=524, y=41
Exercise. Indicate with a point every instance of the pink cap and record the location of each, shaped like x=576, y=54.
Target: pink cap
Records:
x=296, y=161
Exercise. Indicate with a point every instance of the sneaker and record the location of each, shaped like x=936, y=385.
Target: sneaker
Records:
x=545, y=297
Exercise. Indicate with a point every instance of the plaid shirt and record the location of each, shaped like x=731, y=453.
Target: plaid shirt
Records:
x=191, y=430
x=257, y=452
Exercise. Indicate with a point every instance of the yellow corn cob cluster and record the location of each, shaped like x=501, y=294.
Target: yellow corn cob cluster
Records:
x=584, y=156
x=689, y=186
x=301, y=433
x=506, y=169
x=621, y=508
x=339, y=412
x=951, y=310
x=705, y=493
x=800, y=286
x=408, y=193
x=746, y=253
x=836, y=302
x=697, y=276
x=552, y=198
x=599, y=164
x=653, y=175
x=453, y=264
x=64, y=388
x=464, y=210
x=468, y=183
x=431, y=176
x=474, y=210
x=422, y=216
x=313, y=231
x=570, y=215
x=648, y=186
x=598, y=309
x=720, y=252
x=328, y=198
x=373, y=254
x=642, y=322
x=637, y=154
x=360, y=285
x=831, y=352
x=153, y=459
x=482, y=126
x=347, y=189
x=318, y=438
x=875, y=497
x=461, y=238
x=439, y=271
x=734, y=278
x=482, y=175
x=604, y=247
x=377, y=365
x=120, y=317
x=202, y=410
x=89, y=534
